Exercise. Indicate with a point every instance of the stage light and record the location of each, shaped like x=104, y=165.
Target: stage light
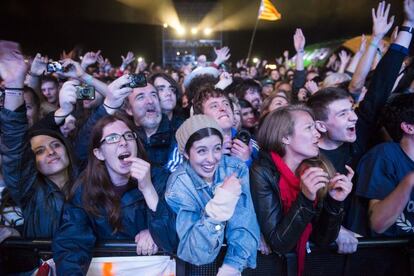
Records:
x=194, y=30
x=207, y=31
x=181, y=30
x=271, y=66
x=140, y=59
x=255, y=60
x=178, y=53
x=165, y=25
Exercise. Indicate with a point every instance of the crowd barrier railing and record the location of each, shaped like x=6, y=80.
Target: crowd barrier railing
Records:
x=373, y=257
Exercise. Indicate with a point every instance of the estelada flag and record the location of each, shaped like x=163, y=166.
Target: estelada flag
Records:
x=268, y=12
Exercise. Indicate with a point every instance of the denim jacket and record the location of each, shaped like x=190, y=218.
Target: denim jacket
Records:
x=201, y=237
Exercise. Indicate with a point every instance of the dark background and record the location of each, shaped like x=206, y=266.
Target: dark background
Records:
x=49, y=26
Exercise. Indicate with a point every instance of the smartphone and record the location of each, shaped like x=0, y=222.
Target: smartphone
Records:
x=54, y=66
x=137, y=80
x=244, y=136
x=85, y=92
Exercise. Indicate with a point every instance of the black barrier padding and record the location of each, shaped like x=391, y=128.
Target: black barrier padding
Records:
x=374, y=257
x=268, y=265
x=365, y=262
x=16, y=261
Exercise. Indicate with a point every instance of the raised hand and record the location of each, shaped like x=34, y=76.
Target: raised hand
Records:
x=67, y=97
x=142, y=65
x=39, y=64
x=72, y=69
x=341, y=185
x=127, y=60
x=381, y=23
x=313, y=179
x=70, y=55
x=344, y=57
x=299, y=41
x=222, y=54
x=12, y=66
x=117, y=92
x=409, y=10
x=90, y=58
x=225, y=80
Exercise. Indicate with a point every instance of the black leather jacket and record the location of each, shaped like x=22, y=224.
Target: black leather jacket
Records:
x=282, y=231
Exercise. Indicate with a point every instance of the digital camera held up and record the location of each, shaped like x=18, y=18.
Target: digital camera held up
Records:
x=54, y=66
x=137, y=80
x=85, y=92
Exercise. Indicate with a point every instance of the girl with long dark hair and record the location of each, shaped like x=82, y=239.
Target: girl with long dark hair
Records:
x=119, y=196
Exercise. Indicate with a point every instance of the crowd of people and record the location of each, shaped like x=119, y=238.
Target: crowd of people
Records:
x=189, y=158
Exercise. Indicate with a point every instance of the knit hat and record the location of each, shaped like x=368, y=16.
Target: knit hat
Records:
x=192, y=125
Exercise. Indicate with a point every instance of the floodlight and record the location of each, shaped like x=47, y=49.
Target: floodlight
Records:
x=194, y=30
x=207, y=31
x=181, y=30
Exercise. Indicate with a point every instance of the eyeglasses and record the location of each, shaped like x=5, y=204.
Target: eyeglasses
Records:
x=116, y=138
x=163, y=88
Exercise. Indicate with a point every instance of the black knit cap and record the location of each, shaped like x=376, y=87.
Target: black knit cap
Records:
x=38, y=129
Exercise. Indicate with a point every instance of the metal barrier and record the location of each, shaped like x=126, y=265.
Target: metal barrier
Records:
x=374, y=257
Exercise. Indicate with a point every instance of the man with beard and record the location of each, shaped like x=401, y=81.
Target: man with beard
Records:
x=154, y=128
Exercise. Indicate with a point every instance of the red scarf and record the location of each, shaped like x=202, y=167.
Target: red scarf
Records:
x=289, y=187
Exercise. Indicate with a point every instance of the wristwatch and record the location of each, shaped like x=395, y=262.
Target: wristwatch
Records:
x=407, y=29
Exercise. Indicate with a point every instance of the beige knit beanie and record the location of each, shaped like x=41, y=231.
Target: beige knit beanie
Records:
x=192, y=125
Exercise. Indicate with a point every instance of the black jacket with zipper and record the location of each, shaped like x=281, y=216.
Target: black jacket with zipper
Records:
x=282, y=231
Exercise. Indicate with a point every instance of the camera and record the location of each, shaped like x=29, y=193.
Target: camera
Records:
x=244, y=136
x=54, y=66
x=85, y=92
x=137, y=80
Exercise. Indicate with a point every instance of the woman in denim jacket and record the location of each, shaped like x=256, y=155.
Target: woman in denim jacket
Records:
x=210, y=194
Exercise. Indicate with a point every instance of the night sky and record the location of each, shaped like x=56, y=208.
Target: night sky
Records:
x=49, y=26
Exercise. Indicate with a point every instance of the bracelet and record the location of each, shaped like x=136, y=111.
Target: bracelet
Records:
x=373, y=44
x=61, y=116
x=110, y=107
x=33, y=75
x=13, y=93
x=301, y=51
x=407, y=29
x=13, y=88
